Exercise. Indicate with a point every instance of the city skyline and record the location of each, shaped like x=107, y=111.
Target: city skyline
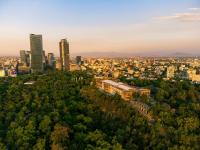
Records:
x=102, y=26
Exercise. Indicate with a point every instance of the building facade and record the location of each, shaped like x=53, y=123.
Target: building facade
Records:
x=64, y=55
x=2, y=72
x=36, y=47
x=192, y=75
x=78, y=60
x=74, y=67
x=58, y=64
x=125, y=91
x=51, y=60
x=23, y=56
x=28, y=58
x=170, y=72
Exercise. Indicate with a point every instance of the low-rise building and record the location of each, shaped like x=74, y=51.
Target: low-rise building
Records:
x=58, y=64
x=125, y=91
x=2, y=73
x=193, y=76
x=74, y=67
x=170, y=72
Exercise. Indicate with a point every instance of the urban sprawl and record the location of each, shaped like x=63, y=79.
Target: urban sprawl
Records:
x=108, y=72
x=148, y=68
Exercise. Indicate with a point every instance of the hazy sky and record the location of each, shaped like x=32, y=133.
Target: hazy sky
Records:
x=101, y=25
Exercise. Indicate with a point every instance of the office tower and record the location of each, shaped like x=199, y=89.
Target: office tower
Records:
x=50, y=59
x=28, y=58
x=78, y=60
x=64, y=55
x=23, y=56
x=36, y=53
x=44, y=59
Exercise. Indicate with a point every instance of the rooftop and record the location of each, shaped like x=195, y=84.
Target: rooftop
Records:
x=119, y=85
x=29, y=83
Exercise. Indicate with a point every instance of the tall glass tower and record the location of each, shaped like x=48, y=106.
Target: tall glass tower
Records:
x=36, y=47
x=64, y=55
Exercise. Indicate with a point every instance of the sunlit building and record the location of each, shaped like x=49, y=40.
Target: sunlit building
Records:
x=58, y=64
x=2, y=72
x=170, y=72
x=74, y=67
x=22, y=69
x=192, y=75
x=64, y=55
x=125, y=91
x=116, y=74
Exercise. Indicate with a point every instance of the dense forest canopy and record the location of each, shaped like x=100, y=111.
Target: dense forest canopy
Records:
x=62, y=110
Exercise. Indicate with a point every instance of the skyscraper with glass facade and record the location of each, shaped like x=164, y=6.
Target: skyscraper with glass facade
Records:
x=36, y=47
x=64, y=55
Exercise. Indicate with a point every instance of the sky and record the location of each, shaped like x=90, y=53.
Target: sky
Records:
x=124, y=26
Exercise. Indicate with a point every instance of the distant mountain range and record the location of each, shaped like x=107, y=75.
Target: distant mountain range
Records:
x=178, y=54
x=132, y=54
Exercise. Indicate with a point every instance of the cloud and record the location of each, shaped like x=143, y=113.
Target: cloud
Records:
x=194, y=9
x=192, y=16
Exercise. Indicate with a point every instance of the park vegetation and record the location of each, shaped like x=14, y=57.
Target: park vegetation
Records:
x=63, y=110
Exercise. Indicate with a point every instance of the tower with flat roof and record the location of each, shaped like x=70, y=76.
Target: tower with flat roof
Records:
x=78, y=60
x=36, y=47
x=51, y=59
x=64, y=55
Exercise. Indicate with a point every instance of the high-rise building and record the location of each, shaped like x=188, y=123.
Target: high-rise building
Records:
x=50, y=59
x=23, y=56
x=64, y=55
x=78, y=60
x=36, y=53
x=44, y=59
x=28, y=58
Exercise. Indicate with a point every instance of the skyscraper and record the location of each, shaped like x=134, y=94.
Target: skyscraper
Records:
x=28, y=58
x=78, y=60
x=36, y=47
x=64, y=55
x=23, y=56
x=51, y=59
x=44, y=59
